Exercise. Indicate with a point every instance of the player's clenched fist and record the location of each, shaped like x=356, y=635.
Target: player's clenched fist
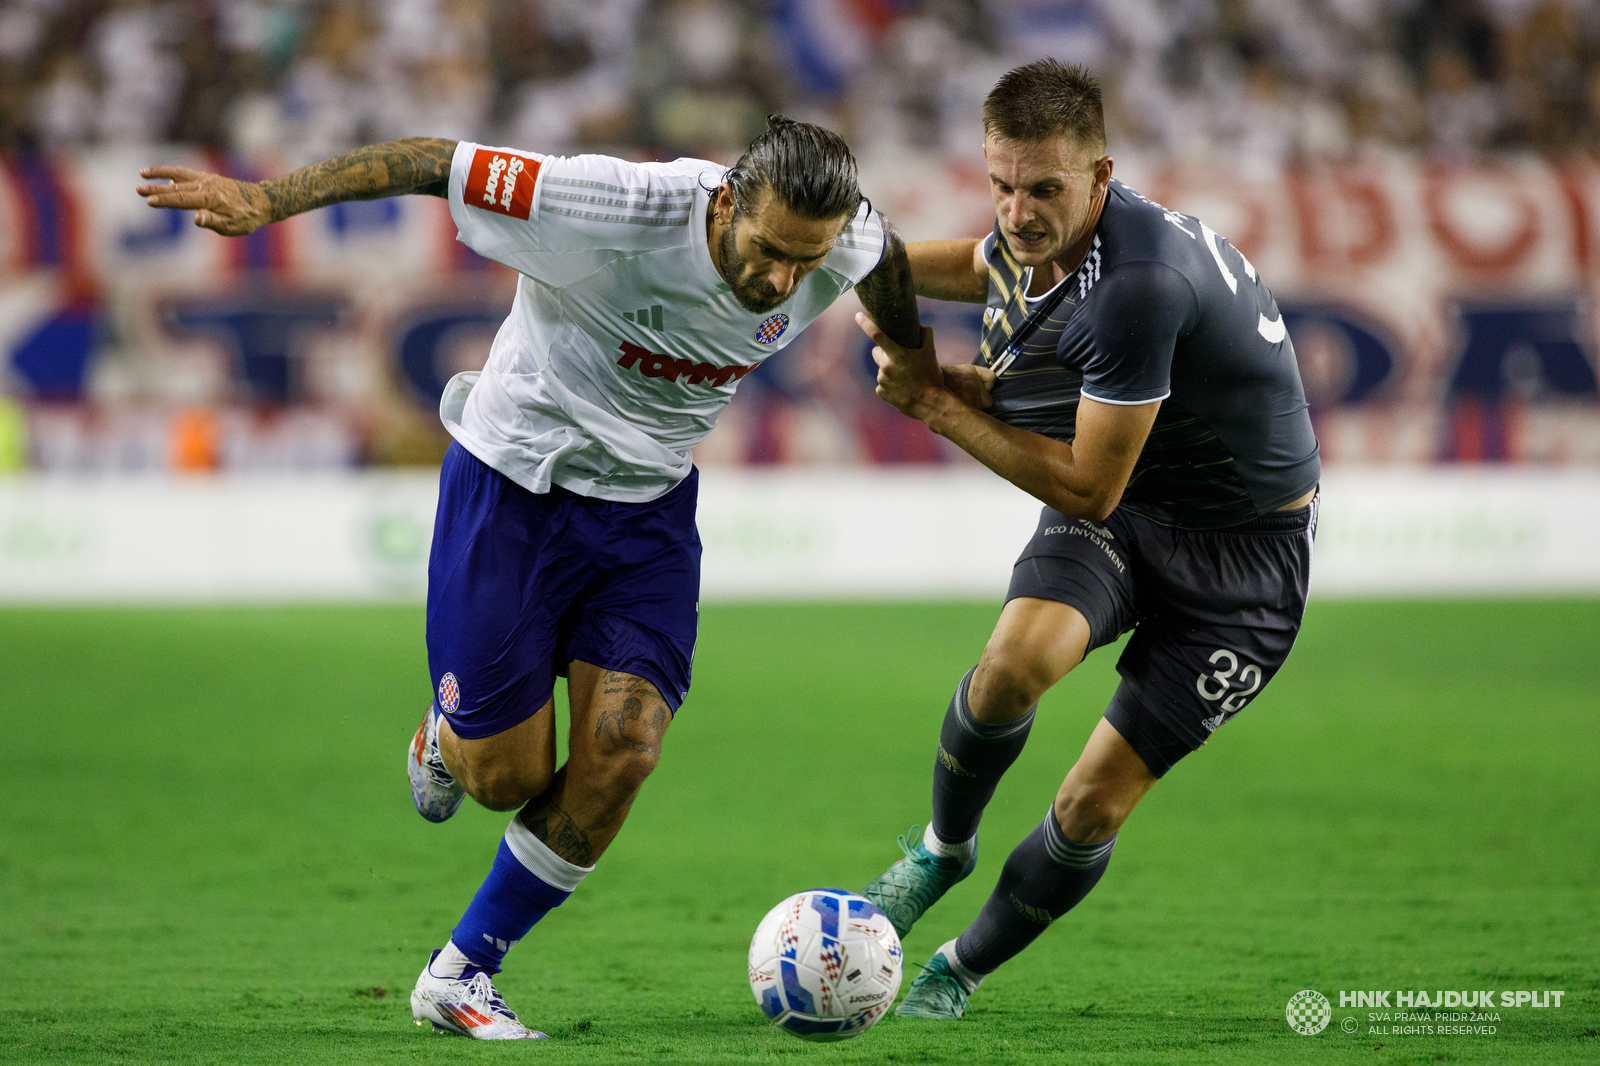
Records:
x=972, y=384
x=908, y=380
x=912, y=381
x=224, y=205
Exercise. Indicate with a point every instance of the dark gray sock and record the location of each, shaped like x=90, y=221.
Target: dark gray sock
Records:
x=973, y=756
x=1044, y=878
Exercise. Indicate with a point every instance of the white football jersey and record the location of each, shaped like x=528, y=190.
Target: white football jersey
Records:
x=623, y=343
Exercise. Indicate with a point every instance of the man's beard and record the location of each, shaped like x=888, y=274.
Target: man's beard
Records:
x=753, y=294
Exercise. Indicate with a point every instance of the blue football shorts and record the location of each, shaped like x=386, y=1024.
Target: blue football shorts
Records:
x=1214, y=613
x=520, y=584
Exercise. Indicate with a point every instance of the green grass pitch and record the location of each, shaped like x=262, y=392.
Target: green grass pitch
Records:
x=208, y=853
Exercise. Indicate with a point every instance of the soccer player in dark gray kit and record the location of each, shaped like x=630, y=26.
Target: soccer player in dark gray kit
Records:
x=1134, y=375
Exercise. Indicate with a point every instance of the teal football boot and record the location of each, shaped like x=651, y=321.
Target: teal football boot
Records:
x=939, y=991
x=908, y=888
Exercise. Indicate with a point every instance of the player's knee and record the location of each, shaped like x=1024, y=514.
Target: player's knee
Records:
x=1012, y=682
x=1090, y=813
x=502, y=786
x=498, y=794
x=622, y=773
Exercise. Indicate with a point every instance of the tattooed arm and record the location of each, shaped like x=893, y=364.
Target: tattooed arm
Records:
x=236, y=208
x=887, y=295
x=891, y=304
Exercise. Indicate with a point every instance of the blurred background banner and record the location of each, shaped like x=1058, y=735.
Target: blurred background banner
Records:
x=860, y=534
x=1440, y=314
x=1418, y=181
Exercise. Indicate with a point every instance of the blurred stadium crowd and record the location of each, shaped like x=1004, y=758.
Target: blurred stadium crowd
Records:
x=1268, y=79
x=1419, y=179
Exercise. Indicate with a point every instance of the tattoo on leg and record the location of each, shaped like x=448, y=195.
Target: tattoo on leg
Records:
x=614, y=724
x=557, y=831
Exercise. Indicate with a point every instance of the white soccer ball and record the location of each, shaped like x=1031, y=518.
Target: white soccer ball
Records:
x=825, y=964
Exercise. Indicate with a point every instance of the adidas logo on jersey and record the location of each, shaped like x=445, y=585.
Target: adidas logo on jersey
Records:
x=501, y=182
x=651, y=316
x=1089, y=272
x=655, y=365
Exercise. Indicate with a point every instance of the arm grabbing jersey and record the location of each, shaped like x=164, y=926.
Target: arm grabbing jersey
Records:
x=623, y=343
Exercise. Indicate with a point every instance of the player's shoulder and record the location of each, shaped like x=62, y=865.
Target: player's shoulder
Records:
x=643, y=178
x=587, y=191
x=859, y=247
x=602, y=192
x=865, y=231
x=1134, y=228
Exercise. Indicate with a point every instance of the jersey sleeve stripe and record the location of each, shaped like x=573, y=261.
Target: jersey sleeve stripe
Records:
x=637, y=199
x=1126, y=403
x=630, y=220
x=663, y=189
x=622, y=205
x=864, y=233
x=655, y=192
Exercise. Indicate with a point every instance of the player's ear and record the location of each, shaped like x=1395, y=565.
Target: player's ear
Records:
x=724, y=205
x=1102, y=170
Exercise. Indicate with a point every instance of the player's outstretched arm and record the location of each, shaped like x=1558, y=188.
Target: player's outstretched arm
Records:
x=1084, y=479
x=887, y=294
x=235, y=208
x=949, y=270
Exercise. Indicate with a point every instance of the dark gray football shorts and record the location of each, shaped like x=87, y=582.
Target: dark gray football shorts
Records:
x=1214, y=613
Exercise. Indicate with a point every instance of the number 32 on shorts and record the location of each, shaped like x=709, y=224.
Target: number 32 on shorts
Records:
x=1225, y=681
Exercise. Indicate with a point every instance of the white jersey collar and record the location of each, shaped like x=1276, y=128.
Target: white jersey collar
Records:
x=705, y=269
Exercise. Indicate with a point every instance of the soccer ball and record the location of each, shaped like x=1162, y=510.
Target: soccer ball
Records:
x=825, y=964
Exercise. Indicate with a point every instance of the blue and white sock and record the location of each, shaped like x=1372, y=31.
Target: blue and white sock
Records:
x=527, y=882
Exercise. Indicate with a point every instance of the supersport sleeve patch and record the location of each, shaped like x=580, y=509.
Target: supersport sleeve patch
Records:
x=501, y=182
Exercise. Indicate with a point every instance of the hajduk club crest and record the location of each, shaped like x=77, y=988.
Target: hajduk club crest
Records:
x=449, y=694
x=770, y=330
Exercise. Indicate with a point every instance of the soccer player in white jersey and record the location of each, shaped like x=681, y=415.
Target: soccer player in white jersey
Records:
x=565, y=541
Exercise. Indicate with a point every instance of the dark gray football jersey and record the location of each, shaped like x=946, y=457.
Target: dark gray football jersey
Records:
x=1161, y=308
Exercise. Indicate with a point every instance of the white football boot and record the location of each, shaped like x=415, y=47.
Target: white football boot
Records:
x=469, y=1005
x=435, y=793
